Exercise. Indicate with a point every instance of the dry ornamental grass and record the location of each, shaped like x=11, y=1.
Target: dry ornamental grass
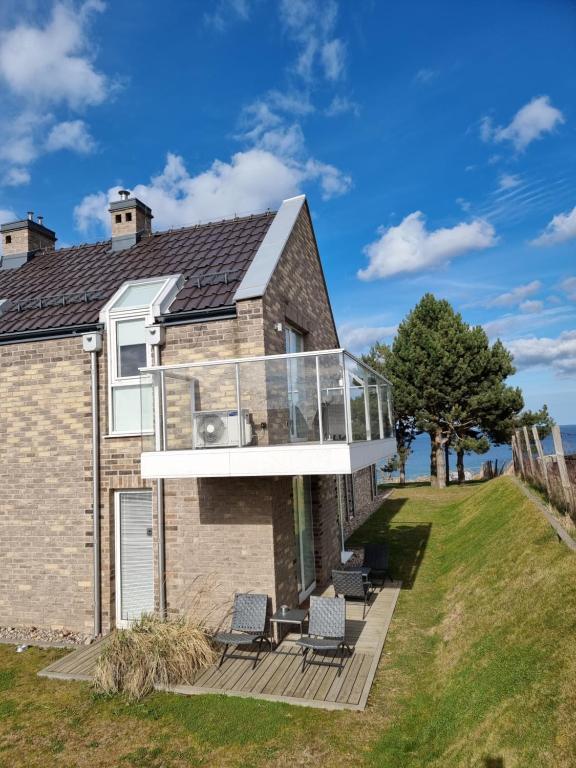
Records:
x=153, y=651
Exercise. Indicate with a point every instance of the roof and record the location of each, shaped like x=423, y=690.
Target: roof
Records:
x=66, y=288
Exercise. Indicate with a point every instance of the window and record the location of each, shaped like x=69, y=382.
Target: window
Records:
x=294, y=340
x=130, y=347
x=128, y=216
x=118, y=218
x=130, y=394
x=8, y=239
x=126, y=315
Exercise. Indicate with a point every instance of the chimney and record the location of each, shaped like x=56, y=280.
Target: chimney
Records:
x=20, y=239
x=131, y=220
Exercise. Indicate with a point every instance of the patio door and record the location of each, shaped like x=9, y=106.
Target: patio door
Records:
x=295, y=371
x=304, y=535
x=134, y=556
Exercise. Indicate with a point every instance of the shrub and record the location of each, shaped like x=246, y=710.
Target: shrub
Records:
x=153, y=650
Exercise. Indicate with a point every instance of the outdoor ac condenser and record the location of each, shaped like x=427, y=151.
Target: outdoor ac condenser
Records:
x=219, y=429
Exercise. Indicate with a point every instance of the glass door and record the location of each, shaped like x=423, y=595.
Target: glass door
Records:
x=295, y=343
x=304, y=534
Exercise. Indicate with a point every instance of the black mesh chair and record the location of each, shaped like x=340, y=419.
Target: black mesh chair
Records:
x=326, y=629
x=377, y=560
x=352, y=584
x=248, y=625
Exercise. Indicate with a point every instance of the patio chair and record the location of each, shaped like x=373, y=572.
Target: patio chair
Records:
x=352, y=584
x=377, y=560
x=248, y=625
x=326, y=629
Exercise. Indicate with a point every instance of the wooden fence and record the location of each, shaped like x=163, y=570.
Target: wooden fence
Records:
x=554, y=474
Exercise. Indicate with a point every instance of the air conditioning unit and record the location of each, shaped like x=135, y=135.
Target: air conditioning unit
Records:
x=219, y=429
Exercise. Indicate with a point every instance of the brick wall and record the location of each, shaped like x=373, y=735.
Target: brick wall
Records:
x=297, y=293
x=45, y=500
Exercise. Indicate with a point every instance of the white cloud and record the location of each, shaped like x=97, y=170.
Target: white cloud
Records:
x=557, y=353
x=425, y=75
x=531, y=122
x=508, y=181
x=333, y=59
x=226, y=11
x=569, y=287
x=52, y=64
x=340, y=105
x=15, y=177
x=486, y=128
x=311, y=24
x=359, y=337
x=72, y=135
x=521, y=323
x=7, y=215
x=332, y=181
x=46, y=68
x=561, y=228
x=20, y=141
x=252, y=181
x=410, y=247
x=532, y=307
x=515, y=296
x=466, y=205
x=273, y=122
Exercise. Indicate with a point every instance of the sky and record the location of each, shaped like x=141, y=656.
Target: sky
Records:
x=435, y=143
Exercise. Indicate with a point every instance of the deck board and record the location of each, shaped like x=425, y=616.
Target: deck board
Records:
x=278, y=675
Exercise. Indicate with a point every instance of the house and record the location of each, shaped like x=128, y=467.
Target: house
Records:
x=188, y=385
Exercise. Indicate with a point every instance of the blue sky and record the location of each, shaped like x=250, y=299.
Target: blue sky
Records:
x=435, y=143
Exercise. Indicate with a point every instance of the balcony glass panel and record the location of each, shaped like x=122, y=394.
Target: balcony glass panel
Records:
x=331, y=379
x=269, y=401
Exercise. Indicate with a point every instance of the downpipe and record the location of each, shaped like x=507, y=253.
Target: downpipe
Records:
x=92, y=343
x=161, y=543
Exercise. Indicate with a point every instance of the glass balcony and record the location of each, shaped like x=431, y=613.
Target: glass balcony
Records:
x=299, y=400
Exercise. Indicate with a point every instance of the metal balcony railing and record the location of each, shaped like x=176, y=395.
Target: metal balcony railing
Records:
x=308, y=397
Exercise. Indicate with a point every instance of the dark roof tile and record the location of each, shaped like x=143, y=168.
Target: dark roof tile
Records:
x=202, y=252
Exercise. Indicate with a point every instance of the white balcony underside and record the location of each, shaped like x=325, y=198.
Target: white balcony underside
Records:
x=296, y=459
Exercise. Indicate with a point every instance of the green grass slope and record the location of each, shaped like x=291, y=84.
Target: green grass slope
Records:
x=480, y=664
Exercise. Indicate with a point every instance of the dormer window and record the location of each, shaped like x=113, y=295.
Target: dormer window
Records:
x=134, y=306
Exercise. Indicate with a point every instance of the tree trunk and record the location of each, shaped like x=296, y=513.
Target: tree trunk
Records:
x=460, y=465
x=402, y=469
x=438, y=461
x=447, y=460
x=433, y=480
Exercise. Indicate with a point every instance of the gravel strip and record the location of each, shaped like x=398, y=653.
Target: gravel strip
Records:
x=46, y=638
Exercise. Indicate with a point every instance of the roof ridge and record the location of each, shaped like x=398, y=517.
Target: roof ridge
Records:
x=198, y=225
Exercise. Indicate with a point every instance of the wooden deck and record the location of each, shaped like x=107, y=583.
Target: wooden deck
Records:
x=278, y=675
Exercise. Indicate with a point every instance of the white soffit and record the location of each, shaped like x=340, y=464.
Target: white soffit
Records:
x=258, y=274
x=298, y=459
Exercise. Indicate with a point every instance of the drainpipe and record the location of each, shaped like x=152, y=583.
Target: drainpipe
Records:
x=92, y=343
x=161, y=551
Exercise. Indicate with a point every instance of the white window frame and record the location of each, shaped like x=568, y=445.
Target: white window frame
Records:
x=111, y=315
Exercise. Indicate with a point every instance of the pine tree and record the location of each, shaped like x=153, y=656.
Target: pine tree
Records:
x=449, y=381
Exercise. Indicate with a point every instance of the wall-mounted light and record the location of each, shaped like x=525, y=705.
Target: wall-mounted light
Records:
x=278, y=327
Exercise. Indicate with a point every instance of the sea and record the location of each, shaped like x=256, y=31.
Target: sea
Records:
x=418, y=464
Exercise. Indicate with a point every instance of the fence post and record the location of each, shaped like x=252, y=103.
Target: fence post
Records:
x=565, y=480
x=529, y=449
x=516, y=447
x=540, y=451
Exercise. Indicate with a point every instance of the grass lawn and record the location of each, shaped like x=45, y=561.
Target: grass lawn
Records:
x=479, y=667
